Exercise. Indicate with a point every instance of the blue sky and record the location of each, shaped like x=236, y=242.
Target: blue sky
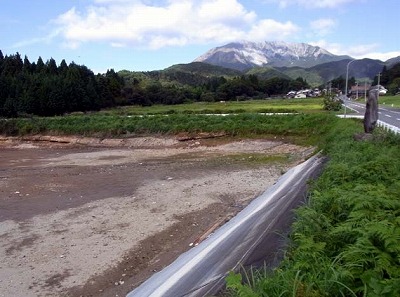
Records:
x=143, y=35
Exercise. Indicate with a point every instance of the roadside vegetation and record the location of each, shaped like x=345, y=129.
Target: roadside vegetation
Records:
x=332, y=103
x=346, y=240
x=390, y=101
x=385, y=101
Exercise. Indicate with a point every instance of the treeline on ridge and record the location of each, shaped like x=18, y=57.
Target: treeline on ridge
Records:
x=179, y=86
x=46, y=89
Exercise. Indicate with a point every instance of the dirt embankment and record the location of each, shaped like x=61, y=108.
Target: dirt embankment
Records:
x=90, y=217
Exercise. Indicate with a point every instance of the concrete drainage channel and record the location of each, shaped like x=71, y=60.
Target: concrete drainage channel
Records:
x=246, y=240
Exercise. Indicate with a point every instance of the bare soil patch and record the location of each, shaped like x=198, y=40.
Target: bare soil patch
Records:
x=90, y=217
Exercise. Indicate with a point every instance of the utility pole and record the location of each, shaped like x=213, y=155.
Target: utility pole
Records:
x=347, y=76
x=365, y=91
x=379, y=82
x=347, y=82
x=356, y=90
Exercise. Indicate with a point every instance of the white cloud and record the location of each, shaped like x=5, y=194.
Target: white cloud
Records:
x=225, y=11
x=271, y=29
x=322, y=27
x=334, y=48
x=117, y=44
x=379, y=55
x=359, y=51
x=46, y=40
x=312, y=4
x=155, y=24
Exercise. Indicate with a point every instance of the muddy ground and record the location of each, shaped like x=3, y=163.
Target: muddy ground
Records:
x=90, y=217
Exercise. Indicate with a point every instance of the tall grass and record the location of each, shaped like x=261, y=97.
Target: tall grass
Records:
x=346, y=240
x=310, y=125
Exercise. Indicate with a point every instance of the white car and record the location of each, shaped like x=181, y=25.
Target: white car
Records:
x=382, y=90
x=300, y=96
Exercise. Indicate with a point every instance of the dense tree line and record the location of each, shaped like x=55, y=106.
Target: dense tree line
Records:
x=390, y=78
x=29, y=88
x=148, y=88
x=338, y=84
x=47, y=89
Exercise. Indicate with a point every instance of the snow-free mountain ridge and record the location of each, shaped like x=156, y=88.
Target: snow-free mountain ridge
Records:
x=245, y=55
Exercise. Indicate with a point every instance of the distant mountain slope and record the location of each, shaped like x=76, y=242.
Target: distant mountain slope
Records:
x=195, y=73
x=198, y=73
x=267, y=72
x=203, y=69
x=192, y=74
x=359, y=69
x=245, y=55
x=322, y=73
x=391, y=62
x=311, y=76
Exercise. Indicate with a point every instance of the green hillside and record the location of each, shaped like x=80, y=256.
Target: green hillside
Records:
x=192, y=74
x=312, y=77
x=203, y=69
x=267, y=73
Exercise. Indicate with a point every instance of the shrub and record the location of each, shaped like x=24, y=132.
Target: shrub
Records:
x=332, y=103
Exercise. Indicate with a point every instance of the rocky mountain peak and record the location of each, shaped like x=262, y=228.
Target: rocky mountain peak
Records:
x=244, y=55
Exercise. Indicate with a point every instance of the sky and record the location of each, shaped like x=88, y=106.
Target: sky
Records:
x=145, y=35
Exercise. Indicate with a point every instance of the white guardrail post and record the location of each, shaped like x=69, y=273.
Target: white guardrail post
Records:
x=389, y=127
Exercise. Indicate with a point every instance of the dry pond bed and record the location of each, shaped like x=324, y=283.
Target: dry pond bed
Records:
x=90, y=217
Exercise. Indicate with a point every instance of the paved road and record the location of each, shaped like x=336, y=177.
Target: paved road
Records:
x=387, y=114
x=245, y=240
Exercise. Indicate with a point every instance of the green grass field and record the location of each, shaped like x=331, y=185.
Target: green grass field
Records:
x=252, y=106
x=241, y=118
x=391, y=101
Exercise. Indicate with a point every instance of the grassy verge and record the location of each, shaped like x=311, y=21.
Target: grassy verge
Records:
x=346, y=240
x=386, y=101
x=389, y=101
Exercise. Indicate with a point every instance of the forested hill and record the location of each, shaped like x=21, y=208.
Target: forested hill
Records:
x=47, y=89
